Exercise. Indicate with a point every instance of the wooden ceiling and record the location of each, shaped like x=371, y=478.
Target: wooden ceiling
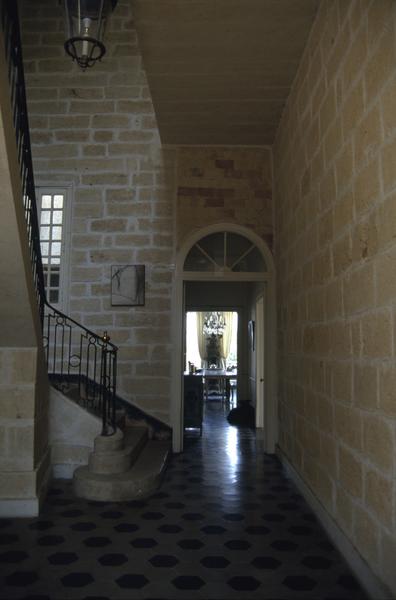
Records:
x=220, y=71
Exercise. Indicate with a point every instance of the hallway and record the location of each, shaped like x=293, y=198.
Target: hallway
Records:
x=225, y=524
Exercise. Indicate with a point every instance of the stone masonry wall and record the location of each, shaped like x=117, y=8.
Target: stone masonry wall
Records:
x=335, y=184
x=224, y=184
x=97, y=131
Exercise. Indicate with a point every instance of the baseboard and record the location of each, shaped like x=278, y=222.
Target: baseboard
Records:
x=26, y=507
x=367, y=579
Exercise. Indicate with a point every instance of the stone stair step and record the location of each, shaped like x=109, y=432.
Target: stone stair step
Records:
x=109, y=443
x=121, y=459
x=141, y=480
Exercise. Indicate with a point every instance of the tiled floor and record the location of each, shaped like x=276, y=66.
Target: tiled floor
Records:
x=225, y=524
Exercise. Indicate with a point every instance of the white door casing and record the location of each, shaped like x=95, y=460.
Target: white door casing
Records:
x=178, y=310
x=260, y=364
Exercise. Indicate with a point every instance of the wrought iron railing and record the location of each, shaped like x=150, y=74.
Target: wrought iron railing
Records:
x=76, y=357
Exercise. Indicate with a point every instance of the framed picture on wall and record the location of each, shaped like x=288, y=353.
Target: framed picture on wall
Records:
x=127, y=285
x=251, y=334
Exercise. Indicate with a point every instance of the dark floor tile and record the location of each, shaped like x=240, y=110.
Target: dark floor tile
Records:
x=188, y=582
x=164, y=561
x=112, y=560
x=13, y=556
x=244, y=583
x=21, y=578
x=62, y=558
x=97, y=541
x=144, y=543
x=266, y=562
x=190, y=544
x=77, y=580
x=126, y=527
x=83, y=526
x=299, y=583
x=132, y=581
x=215, y=562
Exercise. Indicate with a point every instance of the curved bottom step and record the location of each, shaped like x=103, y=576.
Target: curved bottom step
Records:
x=142, y=479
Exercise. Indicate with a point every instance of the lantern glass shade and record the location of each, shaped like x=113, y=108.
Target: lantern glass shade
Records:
x=85, y=25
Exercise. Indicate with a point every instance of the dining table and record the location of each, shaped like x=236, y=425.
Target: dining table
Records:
x=222, y=376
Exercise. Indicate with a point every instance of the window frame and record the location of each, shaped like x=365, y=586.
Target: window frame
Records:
x=64, y=270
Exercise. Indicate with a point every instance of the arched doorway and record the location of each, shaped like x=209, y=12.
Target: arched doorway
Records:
x=226, y=252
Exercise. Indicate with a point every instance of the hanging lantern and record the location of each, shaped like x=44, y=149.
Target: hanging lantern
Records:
x=85, y=25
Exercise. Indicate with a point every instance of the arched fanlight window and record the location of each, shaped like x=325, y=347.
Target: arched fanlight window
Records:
x=224, y=252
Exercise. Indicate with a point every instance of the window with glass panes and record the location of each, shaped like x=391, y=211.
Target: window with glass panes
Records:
x=52, y=221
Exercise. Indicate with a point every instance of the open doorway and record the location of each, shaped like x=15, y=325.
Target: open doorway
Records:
x=210, y=367
x=219, y=362
x=223, y=268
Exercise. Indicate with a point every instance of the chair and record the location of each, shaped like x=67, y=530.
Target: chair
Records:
x=233, y=390
x=193, y=402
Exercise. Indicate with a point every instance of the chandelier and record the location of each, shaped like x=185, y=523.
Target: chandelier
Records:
x=85, y=24
x=214, y=323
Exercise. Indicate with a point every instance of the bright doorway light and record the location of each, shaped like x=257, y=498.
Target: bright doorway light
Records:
x=192, y=350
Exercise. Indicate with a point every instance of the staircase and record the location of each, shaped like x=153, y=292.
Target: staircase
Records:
x=124, y=466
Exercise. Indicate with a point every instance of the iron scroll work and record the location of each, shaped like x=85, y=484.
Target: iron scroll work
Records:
x=82, y=364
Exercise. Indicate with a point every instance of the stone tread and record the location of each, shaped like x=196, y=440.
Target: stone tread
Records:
x=133, y=437
x=119, y=460
x=140, y=480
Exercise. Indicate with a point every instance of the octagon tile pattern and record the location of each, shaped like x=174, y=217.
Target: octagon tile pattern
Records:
x=226, y=523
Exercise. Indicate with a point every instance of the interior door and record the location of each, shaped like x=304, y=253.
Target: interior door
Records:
x=259, y=347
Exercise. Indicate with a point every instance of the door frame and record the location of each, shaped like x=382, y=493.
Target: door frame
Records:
x=178, y=311
x=260, y=358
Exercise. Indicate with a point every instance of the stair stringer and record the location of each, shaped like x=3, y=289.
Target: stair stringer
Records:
x=72, y=432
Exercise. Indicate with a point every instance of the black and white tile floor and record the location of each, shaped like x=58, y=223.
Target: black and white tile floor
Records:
x=225, y=524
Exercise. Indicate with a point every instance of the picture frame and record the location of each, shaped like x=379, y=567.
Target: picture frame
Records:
x=251, y=332
x=128, y=284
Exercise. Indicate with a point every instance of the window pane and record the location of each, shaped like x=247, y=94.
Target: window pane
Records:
x=251, y=262
x=237, y=246
x=44, y=233
x=58, y=201
x=54, y=280
x=45, y=201
x=55, y=249
x=57, y=233
x=213, y=245
x=54, y=296
x=196, y=261
x=57, y=217
x=44, y=248
x=55, y=260
x=45, y=218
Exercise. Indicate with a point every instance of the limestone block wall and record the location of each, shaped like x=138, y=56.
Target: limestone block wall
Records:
x=224, y=184
x=335, y=182
x=96, y=131
x=24, y=456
